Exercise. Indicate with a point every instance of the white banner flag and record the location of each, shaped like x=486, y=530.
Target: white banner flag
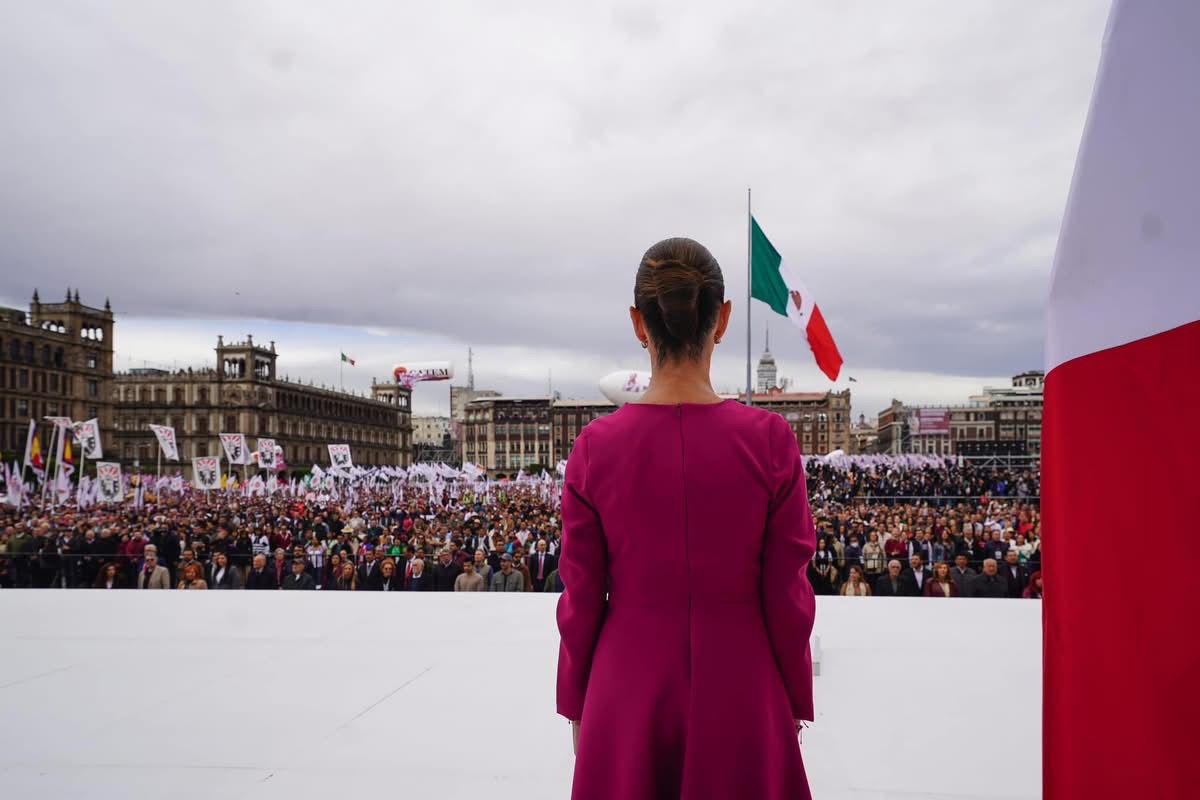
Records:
x=108, y=482
x=266, y=454
x=166, y=441
x=88, y=436
x=235, y=448
x=339, y=456
x=206, y=472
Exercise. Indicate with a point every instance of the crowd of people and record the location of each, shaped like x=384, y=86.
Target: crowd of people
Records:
x=956, y=531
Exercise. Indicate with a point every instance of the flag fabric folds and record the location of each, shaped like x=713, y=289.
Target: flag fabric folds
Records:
x=347, y=359
x=1123, y=324
x=166, y=441
x=773, y=282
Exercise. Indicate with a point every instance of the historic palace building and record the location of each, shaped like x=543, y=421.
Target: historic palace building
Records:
x=243, y=394
x=1000, y=421
x=820, y=420
x=57, y=360
x=506, y=434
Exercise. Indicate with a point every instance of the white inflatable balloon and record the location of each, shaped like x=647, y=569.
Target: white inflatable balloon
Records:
x=625, y=386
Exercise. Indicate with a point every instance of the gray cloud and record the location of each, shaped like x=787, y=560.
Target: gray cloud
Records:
x=492, y=172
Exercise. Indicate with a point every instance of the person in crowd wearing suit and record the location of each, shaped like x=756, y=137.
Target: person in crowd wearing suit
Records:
x=299, y=577
x=996, y=547
x=507, y=579
x=153, y=575
x=541, y=564
x=191, y=576
x=469, y=580
x=961, y=574
x=279, y=566
x=1016, y=575
x=368, y=573
x=891, y=584
x=259, y=577
x=446, y=571
x=221, y=575
x=917, y=575
x=419, y=580
x=109, y=577
x=389, y=579
x=941, y=584
x=989, y=583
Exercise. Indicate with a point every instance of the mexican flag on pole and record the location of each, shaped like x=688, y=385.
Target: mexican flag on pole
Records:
x=776, y=285
x=347, y=359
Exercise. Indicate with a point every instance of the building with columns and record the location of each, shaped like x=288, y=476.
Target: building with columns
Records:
x=56, y=360
x=244, y=394
x=820, y=420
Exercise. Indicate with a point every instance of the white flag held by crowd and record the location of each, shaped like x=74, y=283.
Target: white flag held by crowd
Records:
x=266, y=454
x=206, y=472
x=166, y=441
x=339, y=456
x=108, y=482
x=88, y=436
x=235, y=448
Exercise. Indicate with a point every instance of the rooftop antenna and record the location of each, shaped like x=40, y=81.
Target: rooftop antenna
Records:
x=470, y=370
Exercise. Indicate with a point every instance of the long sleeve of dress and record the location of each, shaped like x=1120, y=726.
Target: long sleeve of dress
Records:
x=583, y=567
x=787, y=597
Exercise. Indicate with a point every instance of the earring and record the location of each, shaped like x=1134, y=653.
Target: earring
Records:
x=717, y=340
x=644, y=343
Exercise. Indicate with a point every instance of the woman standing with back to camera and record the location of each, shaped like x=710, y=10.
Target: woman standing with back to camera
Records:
x=684, y=663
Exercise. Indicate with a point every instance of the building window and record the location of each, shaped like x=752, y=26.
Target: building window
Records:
x=231, y=424
x=22, y=408
x=93, y=388
x=23, y=379
x=92, y=361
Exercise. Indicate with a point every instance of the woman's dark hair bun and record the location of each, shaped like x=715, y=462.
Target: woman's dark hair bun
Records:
x=678, y=290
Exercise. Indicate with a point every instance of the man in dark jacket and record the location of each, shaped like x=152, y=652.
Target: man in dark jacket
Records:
x=541, y=564
x=299, y=579
x=259, y=576
x=916, y=576
x=1015, y=574
x=446, y=571
x=420, y=580
x=961, y=574
x=989, y=583
x=892, y=584
x=368, y=573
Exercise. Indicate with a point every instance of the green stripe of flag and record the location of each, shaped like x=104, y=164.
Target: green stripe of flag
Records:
x=766, y=283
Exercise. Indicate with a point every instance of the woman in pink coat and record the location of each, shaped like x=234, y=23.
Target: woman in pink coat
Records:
x=685, y=616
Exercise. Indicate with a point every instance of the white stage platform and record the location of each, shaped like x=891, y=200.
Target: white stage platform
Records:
x=329, y=695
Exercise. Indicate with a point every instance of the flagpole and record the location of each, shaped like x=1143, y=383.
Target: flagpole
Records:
x=749, y=280
x=82, y=464
x=49, y=457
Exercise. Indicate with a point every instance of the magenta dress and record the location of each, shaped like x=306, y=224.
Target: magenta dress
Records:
x=686, y=613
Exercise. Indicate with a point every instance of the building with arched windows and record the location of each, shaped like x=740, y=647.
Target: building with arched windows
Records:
x=56, y=360
x=244, y=394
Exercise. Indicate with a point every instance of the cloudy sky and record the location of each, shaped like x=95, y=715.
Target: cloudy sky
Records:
x=404, y=180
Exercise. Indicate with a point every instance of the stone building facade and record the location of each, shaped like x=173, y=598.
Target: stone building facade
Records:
x=244, y=394
x=55, y=360
x=820, y=420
